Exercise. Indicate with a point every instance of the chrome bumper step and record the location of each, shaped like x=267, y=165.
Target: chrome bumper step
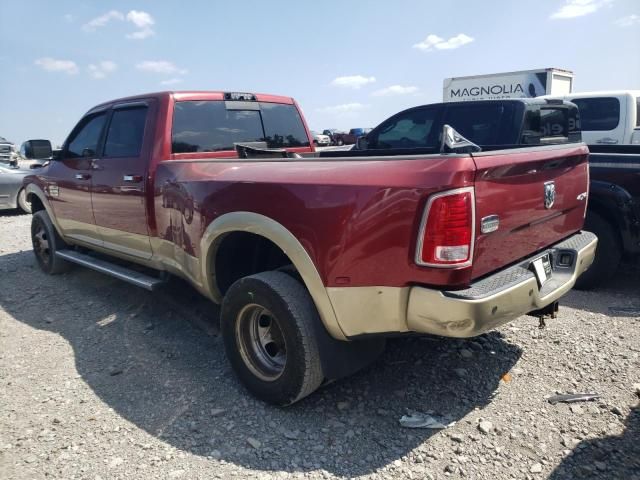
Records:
x=122, y=273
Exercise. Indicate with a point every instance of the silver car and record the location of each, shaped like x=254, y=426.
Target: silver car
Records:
x=12, y=194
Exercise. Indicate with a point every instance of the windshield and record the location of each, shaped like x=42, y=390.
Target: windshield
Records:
x=208, y=126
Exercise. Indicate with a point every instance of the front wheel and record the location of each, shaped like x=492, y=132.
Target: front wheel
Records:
x=267, y=325
x=46, y=242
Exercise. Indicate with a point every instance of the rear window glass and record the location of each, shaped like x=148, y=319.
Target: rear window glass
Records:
x=283, y=126
x=551, y=125
x=126, y=130
x=599, y=114
x=207, y=126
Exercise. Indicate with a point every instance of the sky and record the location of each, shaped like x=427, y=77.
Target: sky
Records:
x=347, y=63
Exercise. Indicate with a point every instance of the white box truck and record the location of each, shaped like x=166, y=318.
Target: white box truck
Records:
x=522, y=84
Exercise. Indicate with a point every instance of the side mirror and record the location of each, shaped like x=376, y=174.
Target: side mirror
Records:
x=453, y=142
x=362, y=143
x=88, y=152
x=37, y=149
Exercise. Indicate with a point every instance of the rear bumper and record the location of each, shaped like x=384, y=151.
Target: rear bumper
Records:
x=485, y=305
x=501, y=297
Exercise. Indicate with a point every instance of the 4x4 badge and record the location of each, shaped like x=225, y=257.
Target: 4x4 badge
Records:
x=549, y=194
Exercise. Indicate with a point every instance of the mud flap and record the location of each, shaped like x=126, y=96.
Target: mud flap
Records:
x=340, y=359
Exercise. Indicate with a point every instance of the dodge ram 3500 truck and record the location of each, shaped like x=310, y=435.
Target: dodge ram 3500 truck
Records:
x=314, y=260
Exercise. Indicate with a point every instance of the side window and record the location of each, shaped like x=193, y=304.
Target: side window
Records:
x=598, y=114
x=410, y=130
x=87, y=136
x=125, y=133
x=637, y=111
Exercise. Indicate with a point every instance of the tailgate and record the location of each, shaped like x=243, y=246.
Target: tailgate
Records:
x=516, y=186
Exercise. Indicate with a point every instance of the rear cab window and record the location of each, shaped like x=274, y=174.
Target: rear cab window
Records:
x=217, y=125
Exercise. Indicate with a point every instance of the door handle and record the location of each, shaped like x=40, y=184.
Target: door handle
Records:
x=132, y=178
x=607, y=141
x=82, y=176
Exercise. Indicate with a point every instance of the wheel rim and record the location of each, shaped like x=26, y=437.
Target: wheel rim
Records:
x=41, y=243
x=261, y=342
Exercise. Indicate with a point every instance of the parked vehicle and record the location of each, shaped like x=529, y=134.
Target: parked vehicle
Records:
x=331, y=133
x=315, y=260
x=489, y=123
x=321, y=139
x=497, y=86
x=12, y=192
x=614, y=210
x=608, y=117
x=351, y=137
x=36, y=152
x=6, y=151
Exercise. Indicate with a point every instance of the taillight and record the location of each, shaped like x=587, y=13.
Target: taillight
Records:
x=447, y=230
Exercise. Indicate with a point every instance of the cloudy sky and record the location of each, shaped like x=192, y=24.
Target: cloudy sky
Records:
x=349, y=64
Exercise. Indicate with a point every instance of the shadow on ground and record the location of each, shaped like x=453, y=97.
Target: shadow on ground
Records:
x=14, y=212
x=620, y=293
x=169, y=376
x=605, y=458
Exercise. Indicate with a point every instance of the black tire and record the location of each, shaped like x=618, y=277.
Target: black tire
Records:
x=46, y=242
x=340, y=142
x=608, y=253
x=23, y=203
x=290, y=318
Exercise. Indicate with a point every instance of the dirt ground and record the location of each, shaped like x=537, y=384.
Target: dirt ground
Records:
x=101, y=380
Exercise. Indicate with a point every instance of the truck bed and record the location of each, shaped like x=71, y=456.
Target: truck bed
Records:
x=358, y=216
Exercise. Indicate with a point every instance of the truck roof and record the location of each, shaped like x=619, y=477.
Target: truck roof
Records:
x=198, y=95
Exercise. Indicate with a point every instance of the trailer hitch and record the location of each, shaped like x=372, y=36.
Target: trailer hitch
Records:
x=550, y=311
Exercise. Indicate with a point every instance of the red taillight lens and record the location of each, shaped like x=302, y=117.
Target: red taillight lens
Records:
x=447, y=230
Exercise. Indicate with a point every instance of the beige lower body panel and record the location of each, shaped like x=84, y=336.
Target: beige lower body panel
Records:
x=388, y=310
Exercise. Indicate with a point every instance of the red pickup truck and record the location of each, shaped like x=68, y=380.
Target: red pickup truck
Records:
x=314, y=259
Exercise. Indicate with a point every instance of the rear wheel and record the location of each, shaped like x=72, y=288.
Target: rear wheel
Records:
x=608, y=253
x=23, y=203
x=46, y=242
x=267, y=325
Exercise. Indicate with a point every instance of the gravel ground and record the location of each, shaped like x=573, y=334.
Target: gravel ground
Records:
x=100, y=380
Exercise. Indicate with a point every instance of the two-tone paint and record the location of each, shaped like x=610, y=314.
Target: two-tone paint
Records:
x=349, y=225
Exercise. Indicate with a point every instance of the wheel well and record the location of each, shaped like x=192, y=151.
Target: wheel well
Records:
x=36, y=203
x=240, y=254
